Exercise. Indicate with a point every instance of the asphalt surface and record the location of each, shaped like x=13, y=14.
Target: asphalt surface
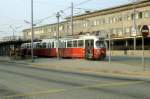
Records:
x=18, y=81
x=131, y=60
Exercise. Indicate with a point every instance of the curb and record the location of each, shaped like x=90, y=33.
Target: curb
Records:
x=9, y=61
x=102, y=73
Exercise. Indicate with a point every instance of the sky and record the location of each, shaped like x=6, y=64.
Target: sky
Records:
x=14, y=14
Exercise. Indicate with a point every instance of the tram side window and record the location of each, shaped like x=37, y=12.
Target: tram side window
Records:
x=100, y=44
x=49, y=45
x=80, y=43
x=74, y=43
x=23, y=46
x=28, y=46
x=38, y=45
x=44, y=45
x=69, y=44
x=52, y=45
x=63, y=44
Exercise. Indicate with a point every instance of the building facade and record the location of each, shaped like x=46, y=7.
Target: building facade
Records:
x=122, y=22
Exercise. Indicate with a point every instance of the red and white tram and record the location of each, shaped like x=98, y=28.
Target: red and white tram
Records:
x=88, y=47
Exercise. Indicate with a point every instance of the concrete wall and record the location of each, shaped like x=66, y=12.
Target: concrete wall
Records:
x=130, y=53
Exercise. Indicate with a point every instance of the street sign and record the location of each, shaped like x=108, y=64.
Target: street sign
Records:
x=134, y=31
x=145, y=30
x=144, y=33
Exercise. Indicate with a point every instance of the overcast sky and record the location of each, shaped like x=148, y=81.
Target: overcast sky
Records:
x=14, y=12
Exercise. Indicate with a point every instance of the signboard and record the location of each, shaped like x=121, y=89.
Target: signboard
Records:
x=145, y=30
x=134, y=31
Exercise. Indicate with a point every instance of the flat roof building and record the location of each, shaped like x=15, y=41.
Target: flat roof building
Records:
x=122, y=22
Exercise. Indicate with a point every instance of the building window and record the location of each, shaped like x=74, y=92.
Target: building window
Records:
x=140, y=15
x=111, y=20
x=85, y=24
x=119, y=32
x=107, y=20
x=114, y=19
x=114, y=31
x=127, y=31
x=49, y=30
x=61, y=28
x=146, y=14
x=100, y=21
x=29, y=33
x=119, y=18
x=70, y=27
x=97, y=22
x=39, y=31
x=103, y=21
x=128, y=17
x=139, y=29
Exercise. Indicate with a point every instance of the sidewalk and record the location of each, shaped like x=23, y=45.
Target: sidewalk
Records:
x=92, y=66
x=82, y=65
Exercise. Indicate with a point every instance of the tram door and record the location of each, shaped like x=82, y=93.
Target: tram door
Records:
x=89, y=49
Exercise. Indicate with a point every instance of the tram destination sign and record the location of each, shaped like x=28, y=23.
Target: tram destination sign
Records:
x=145, y=30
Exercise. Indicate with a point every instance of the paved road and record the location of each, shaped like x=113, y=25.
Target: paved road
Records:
x=130, y=60
x=19, y=81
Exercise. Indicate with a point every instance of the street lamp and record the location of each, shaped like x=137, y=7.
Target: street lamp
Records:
x=72, y=25
x=32, y=31
x=134, y=30
x=57, y=49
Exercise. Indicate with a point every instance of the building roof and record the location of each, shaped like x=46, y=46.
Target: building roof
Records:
x=110, y=10
x=106, y=11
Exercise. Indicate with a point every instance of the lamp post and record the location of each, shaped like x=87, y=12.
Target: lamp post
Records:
x=109, y=34
x=32, y=31
x=134, y=27
x=57, y=50
x=72, y=26
x=134, y=2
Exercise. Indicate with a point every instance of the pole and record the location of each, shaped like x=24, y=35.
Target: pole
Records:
x=143, y=59
x=109, y=49
x=72, y=26
x=134, y=25
x=13, y=34
x=32, y=31
x=57, y=50
x=13, y=31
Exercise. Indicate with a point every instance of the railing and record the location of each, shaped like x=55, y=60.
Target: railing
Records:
x=131, y=47
x=10, y=38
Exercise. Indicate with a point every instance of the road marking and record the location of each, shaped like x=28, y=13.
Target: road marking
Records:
x=36, y=93
x=82, y=87
x=33, y=86
x=111, y=84
x=76, y=77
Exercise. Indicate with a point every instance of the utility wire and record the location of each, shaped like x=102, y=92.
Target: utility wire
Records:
x=83, y=2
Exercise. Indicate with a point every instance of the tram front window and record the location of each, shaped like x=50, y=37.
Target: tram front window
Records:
x=100, y=44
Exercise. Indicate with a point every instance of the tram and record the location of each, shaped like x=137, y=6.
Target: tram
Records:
x=84, y=47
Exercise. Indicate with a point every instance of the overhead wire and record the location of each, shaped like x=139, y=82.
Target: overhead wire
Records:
x=67, y=8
